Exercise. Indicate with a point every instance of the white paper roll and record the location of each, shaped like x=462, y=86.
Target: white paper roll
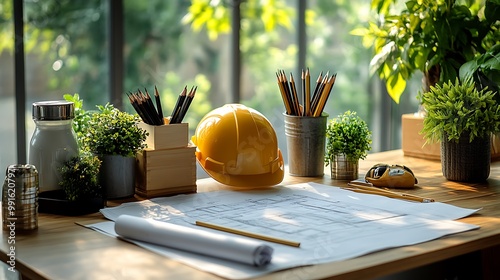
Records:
x=194, y=240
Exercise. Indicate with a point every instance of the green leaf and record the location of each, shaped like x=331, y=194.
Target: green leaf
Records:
x=396, y=84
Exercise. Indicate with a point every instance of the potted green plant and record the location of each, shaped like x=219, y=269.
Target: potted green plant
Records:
x=81, y=192
x=348, y=139
x=114, y=136
x=462, y=118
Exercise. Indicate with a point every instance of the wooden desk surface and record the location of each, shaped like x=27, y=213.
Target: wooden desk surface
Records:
x=60, y=249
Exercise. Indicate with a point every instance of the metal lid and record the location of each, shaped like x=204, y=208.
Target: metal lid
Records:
x=53, y=110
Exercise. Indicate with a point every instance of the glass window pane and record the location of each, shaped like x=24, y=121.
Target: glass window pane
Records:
x=66, y=52
x=7, y=112
x=7, y=90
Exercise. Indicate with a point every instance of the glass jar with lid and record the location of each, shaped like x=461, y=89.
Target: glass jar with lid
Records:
x=53, y=141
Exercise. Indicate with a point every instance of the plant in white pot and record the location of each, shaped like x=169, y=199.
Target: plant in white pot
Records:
x=114, y=136
x=462, y=118
x=348, y=139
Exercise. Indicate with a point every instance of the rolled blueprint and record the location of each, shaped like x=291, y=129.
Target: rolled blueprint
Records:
x=194, y=240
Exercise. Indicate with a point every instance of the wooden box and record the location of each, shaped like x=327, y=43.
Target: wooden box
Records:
x=166, y=136
x=166, y=172
x=413, y=143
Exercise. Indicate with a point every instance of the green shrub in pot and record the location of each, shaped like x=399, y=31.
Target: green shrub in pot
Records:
x=347, y=134
x=463, y=119
x=348, y=139
x=114, y=132
x=80, y=177
x=114, y=136
x=457, y=109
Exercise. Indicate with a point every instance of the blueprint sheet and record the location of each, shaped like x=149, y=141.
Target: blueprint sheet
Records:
x=331, y=223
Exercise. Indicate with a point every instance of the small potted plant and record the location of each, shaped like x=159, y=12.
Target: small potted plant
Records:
x=463, y=119
x=114, y=136
x=80, y=191
x=348, y=140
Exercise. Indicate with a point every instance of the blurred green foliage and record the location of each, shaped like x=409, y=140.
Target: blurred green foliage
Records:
x=171, y=44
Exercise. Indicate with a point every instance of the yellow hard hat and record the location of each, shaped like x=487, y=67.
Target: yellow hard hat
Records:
x=237, y=146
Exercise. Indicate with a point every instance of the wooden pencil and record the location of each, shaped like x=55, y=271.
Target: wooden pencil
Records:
x=288, y=93
x=249, y=234
x=137, y=109
x=324, y=96
x=178, y=104
x=158, y=104
x=307, y=102
x=140, y=104
x=318, y=94
x=151, y=108
x=295, y=97
x=288, y=110
x=319, y=80
x=388, y=193
x=185, y=106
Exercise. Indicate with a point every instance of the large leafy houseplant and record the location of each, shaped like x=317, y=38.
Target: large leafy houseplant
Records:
x=484, y=70
x=432, y=36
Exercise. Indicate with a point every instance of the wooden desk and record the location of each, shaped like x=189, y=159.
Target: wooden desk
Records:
x=60, y=249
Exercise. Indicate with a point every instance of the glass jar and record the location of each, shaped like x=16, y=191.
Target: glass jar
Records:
x=53, y=141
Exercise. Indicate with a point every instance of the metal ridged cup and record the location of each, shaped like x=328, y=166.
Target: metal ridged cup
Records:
x=20, y=198
x=305, y=141
x=343, y=169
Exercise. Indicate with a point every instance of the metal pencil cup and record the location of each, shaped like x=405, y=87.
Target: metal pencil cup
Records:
x=305, y=141
x=20, y=198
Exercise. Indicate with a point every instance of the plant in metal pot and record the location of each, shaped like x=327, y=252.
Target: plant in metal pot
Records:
x=348, y=139
x=462, y=118
x=114, y=136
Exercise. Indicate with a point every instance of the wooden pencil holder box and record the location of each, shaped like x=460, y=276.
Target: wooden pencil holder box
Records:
x=166, y=136
x=168, y=165
x=166, y=172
